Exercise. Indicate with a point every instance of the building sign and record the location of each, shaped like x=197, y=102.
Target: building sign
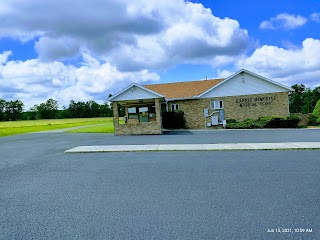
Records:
x=255, y=101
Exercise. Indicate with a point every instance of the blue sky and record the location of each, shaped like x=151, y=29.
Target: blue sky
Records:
x=90, y=49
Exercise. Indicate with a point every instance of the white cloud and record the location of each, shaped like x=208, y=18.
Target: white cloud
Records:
x=224, y=73
x=4, y=56
x=286, y=66
x=33, y=81
x=315, y=17
x=194, y=36
x=284, y=21
x=132, y=35
x=117, y=41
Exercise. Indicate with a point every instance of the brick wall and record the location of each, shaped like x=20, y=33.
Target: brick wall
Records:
x=236, y=107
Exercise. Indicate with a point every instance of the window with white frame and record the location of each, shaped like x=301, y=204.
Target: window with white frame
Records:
x=143, y=113
x=132, y=113
x=174, y=106
x=216, y=104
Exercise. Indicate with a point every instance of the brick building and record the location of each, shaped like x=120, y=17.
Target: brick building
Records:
x=205, y=103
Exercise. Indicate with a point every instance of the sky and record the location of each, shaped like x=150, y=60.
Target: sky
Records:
x=86, y=50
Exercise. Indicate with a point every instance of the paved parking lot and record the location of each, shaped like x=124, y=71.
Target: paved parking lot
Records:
x=47, y=194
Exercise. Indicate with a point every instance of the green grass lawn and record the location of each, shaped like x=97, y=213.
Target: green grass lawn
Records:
x=104, y=128
x=20, y=127
x=101, y=128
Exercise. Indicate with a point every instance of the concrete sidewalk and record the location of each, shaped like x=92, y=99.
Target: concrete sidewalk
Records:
x=197, y=147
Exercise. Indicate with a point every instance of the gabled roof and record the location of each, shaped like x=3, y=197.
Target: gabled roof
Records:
x=248, y=72
x=135, y=85
x=186, y=90
x=180, y=90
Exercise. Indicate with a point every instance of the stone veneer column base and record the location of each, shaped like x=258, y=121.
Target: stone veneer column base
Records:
x=138, y=128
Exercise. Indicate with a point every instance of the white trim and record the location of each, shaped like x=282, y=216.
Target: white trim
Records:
x=175, y=106
x=250, y=73
x=135, y=85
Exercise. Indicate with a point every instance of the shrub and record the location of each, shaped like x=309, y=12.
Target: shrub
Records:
x=316, y=110
x=252, y=123
x=231, y=121
x=266, y=122
x=246, y=124
x=235, y=126
x=275, y=122
x=312, y=120
x=292, y=121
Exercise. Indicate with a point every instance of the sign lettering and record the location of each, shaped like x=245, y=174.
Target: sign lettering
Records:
x=255, y=101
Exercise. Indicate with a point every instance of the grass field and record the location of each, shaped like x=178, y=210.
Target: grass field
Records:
x=103, y=128
x=20, y=127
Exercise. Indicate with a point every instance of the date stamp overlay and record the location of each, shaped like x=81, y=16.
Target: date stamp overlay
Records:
x=289, y=230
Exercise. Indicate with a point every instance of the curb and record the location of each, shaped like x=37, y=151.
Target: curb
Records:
x=197, y=147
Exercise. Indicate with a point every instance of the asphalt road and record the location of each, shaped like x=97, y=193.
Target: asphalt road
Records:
x=47, y=194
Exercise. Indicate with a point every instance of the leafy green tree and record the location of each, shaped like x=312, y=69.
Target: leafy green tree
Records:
x=89, y=109
x=316, y=95
x=295, y=98
x=72, y=109
x=13, y=110
x=48, y=110
x=303, y=100
x=2, y=109
x=81, y=110
x=33, y=112
x=316, y=110
x=106, y=109
x=64, y=113
x=307, y=101
x=93, y=109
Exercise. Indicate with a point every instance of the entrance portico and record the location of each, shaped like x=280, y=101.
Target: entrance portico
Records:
x=142, y=111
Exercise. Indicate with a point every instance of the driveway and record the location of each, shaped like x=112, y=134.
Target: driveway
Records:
x=47, y=194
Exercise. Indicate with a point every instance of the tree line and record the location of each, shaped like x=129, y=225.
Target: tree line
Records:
x=13, y=110
x=10, y=110
x=303, y=99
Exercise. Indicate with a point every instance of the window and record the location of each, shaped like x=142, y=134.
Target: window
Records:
x=132, y=113
x=152, y=114
x=174, y=106
x=216, y=104
x=143, y=114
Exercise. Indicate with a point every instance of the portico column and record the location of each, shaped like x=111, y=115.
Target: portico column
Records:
x=158, y=109
x=115, y=114
x=126, y=112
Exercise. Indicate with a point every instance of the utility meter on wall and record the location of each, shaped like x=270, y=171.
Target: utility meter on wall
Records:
x=206, y=112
